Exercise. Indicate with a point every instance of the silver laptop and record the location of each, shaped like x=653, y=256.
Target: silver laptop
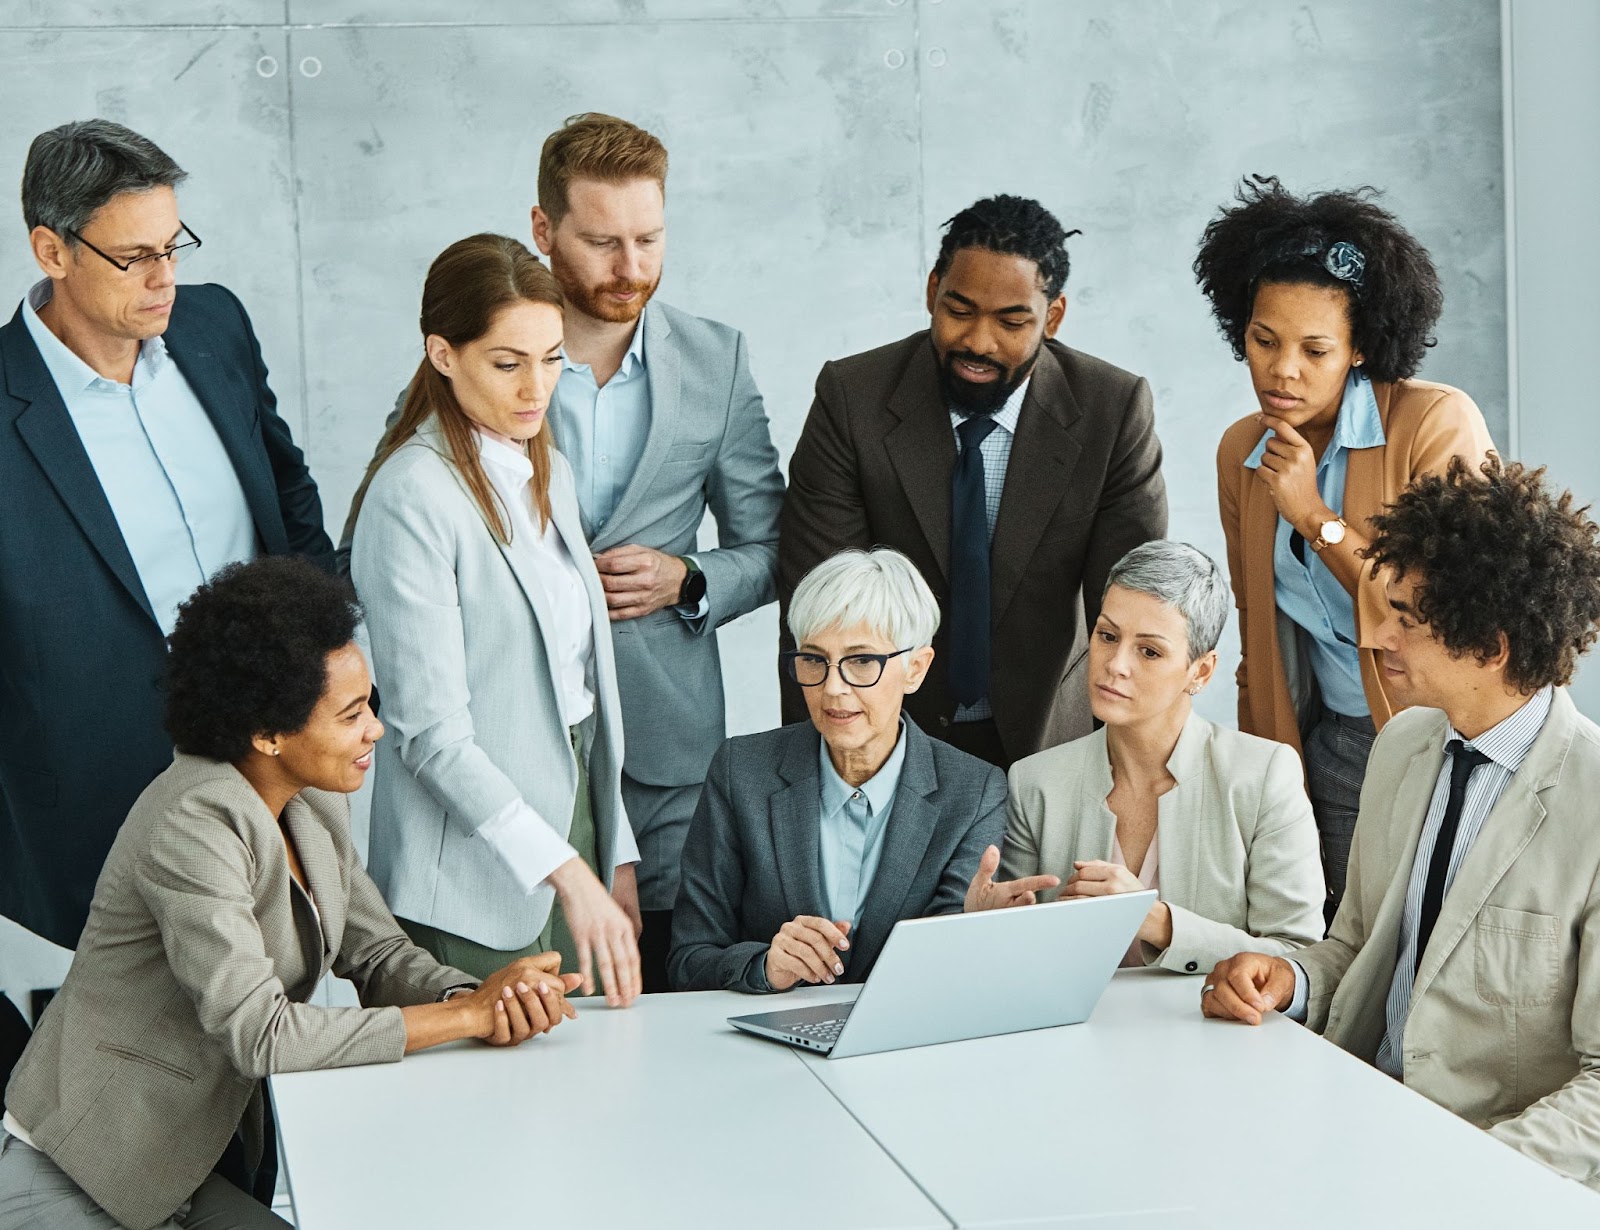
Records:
x=1032, y=967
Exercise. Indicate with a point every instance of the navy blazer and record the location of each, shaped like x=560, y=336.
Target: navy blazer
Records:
x=81, y=653
x=752, y=860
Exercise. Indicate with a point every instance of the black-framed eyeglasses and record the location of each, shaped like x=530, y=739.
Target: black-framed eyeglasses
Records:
x=859, y=670
x=149, y=259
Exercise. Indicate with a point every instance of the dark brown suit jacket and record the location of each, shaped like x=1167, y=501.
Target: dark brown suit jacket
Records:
x=1082, y=488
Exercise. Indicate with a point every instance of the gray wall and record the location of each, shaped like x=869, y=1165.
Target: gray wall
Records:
x=816, y=146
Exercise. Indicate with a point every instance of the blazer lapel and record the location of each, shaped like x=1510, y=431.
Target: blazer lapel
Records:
x=922, y=449
x=1047, y=452
x=48, y=432
x=794, y=814
x=663, y=367
x=1176, y=810
x=192, y=347
x=1506, y=832
x=905, y=844
x=320, y=862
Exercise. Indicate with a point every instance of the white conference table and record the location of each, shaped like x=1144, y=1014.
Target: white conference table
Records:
x=663, y=1116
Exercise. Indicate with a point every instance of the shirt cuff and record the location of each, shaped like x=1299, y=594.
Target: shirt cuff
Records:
x=1296, y=1011
x=529, y=847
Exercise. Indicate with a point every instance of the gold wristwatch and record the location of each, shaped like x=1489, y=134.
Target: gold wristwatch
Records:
x=1329, y=533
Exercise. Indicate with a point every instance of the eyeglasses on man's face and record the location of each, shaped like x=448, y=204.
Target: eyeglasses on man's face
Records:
x=147, y=262
x=858, y=670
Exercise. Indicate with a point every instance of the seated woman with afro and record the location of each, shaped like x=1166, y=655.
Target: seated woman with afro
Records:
x=232, y=888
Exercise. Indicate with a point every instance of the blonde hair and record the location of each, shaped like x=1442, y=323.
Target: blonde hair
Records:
x=596, y=146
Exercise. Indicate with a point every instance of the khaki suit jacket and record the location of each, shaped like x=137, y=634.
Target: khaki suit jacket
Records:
x=1424, y=426
x=1083, y=487
x=1504, y=1028
x=1240, y=866
x=189, y=986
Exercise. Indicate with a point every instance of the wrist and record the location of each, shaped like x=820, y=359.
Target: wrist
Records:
x=1311, y=526
x=565, y=878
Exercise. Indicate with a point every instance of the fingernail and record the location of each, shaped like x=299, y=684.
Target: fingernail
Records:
x=505, y=992
x=523, y=988
x=500, y=1007
x=544, y=988
x=828, y=979
x=838, y=967
x=843, y=944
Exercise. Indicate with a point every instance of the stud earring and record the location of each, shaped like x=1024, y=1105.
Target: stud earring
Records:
x=274, y=751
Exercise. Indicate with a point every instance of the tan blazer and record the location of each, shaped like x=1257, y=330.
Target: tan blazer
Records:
x=1424, y=425
x=1505, y=1017
x=189, y=985
x=1240, y=866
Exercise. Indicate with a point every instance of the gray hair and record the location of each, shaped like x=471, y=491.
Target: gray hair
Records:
x=879, y=588
x=73, y=170
x=1186, y=579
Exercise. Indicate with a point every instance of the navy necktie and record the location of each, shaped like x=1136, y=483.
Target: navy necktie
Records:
x=969, y=567
x=1463, y=760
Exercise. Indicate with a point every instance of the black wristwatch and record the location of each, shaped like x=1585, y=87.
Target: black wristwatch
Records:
x=694, y=584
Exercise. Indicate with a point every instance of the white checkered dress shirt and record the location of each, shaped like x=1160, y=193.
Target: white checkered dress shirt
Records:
x=996, y=450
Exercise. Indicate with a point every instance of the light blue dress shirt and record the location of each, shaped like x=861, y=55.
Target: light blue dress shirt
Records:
x=854, y=819
x=1308, y=592
x=170, y=483
x=996, y=452
x=602, y=431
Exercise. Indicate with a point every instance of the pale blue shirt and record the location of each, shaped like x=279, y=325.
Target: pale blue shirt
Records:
x=853, y=822
x=996, y=453
x=1308, y=592
x=170, y=483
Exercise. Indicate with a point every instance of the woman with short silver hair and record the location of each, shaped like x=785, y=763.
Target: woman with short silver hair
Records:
x=1216, y=821
x=811, y=841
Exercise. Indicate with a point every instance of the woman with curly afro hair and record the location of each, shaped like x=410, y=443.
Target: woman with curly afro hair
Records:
x=1332, y=304
x=232, y=888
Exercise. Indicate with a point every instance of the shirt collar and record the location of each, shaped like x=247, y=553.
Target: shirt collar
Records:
x=512, y=463
x=70, y=373
x=1359, y=424
x=1508, y=741
x=879, y=788
x=632, y=361
x=1008, y=414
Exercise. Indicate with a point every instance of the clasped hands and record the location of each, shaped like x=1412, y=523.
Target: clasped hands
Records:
x=526, y=998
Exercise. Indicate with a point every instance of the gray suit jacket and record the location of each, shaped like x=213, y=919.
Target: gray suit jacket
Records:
x=1504, y=1028
x=459, y=650
x=752, y=861
x=190, y=981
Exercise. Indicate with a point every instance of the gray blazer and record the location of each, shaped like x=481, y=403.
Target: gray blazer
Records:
x=1239, y=863
x=753, y=860
x=469, y=695
x=190, y=981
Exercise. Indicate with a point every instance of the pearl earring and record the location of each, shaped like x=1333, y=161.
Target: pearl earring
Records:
x=274, y=751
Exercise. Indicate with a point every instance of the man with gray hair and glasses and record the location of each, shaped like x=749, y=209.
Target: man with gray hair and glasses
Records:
x=140, y=451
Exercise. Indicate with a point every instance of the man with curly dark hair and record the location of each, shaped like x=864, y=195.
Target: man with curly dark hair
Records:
x=1331, y=303
x=1465, y=959
x=1012, y=470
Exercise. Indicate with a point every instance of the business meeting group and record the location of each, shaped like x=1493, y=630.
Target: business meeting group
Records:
x=991, y=647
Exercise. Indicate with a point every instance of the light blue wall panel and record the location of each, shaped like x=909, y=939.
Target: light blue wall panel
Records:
x=576, y=12
x=102, y=14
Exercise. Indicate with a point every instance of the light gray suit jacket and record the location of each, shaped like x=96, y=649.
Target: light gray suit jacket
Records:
x=708, y=446
x=753, y=858
x=189, y=985
x=1504, y=1028
x=460, y=654
x=1239, y=863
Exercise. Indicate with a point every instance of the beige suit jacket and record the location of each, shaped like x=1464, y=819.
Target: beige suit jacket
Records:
x=1504, y=1027
x=189, y=984
x=1240, y=866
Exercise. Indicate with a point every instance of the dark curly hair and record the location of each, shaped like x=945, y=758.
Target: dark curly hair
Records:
x=1011, y=226
x=249, y=653
x=1495, y=552
x=1271, y=235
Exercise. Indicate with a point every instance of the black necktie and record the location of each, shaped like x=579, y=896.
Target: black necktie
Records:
x=969, y=567
x=1463, y=760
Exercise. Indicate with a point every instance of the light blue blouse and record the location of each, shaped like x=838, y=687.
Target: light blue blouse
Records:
x=854, y=820
x=1308, y=592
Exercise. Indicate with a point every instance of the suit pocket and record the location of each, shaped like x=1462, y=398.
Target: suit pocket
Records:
x=122, y=1052
x=689, y=453
x=1518, y=957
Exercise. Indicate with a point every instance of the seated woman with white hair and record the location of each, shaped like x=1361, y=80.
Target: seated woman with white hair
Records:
x=811, y=841
x=1215, y=820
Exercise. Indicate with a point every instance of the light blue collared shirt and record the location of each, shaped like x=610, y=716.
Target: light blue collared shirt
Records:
x=854, y=819
x=1308, y=592
x=996, y=453
x=170, y=483
x=602, y=431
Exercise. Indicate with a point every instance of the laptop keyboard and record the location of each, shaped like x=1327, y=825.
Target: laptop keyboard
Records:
x=824, y=1032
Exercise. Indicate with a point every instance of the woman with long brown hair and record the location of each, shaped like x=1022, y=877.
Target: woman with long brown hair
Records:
x=497, y=819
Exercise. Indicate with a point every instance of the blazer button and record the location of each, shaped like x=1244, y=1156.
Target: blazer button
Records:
x=943, y=721
x=1192, y=966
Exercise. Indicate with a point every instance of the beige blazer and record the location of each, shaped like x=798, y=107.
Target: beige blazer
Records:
x=189, y=985
x=1240, y=866
x=1505, y=1017
x=1424, y=426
